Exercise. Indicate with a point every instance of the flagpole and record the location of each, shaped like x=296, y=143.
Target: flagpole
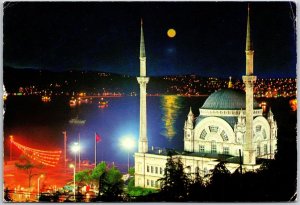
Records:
x=95, y=150
x=79, y=151
x=65, y=147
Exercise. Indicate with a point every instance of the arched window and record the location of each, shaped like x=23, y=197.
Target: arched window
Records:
x=265, y=149
x=258, y=150
x=258, y=128
x=213, y=128
x=224, y=136
x=213, y=147
x=264, y=134
x=203, y=134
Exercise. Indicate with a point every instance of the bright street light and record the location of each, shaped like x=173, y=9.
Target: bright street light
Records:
x=75, y=149
x=128, y=143
x=38, y=189
x=74, y=171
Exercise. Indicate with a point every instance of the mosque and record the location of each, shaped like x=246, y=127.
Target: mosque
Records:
x=230, y=128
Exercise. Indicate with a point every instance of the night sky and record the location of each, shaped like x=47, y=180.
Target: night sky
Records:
x=104, y=36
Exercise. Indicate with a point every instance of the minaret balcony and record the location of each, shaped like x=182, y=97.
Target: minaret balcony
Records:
x=143, y=80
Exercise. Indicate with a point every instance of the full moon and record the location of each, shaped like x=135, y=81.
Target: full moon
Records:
x=171, y=33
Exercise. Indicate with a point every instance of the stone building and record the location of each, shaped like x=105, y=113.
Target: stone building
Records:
x=220, y=127
x=230, y=128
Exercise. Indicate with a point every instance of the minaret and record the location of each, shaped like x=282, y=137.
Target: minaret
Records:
x=249, y=154
x=273, y=134
x=143, y=80
x=230, y=83
x=189, y=132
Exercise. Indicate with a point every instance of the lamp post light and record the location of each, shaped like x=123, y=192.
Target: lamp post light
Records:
x=75, y=149
x=74, y=171
x=38, y=189
x=128, y=143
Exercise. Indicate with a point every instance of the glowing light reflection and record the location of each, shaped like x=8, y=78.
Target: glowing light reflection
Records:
x=171, y=105
x=293, y=104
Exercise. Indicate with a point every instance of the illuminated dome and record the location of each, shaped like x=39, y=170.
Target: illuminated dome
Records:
x=227, y=99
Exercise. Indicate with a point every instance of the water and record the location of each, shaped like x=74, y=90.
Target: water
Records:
x=40, y=125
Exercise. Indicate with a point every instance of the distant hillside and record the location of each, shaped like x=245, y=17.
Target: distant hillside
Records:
x=76, y=81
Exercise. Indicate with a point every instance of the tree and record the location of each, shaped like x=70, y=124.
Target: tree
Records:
x=97, y=174
x=110, y=182
x=219, y=183
x=82, y=178
x=197, y=188
x=26, y=165
x=131, y=181
x=175, y=183
x=137, y=193
x=131, y=171
x=112, y=185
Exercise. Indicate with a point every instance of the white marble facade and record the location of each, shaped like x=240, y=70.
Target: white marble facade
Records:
x=221, y=130
x=219, y=133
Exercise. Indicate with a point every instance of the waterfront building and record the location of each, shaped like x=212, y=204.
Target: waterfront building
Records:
x=230, y=128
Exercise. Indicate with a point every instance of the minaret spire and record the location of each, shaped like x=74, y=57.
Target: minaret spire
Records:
x=191, y=112
x=249, y=154
x=191, y=116
x=143, y=80
x=142, y=53
x=249, y=48
x=248, y=38
x=142, y=43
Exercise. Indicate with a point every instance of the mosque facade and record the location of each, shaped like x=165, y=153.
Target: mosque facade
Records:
x=230, y=127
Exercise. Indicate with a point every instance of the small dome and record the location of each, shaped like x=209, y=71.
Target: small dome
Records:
x=227, y=99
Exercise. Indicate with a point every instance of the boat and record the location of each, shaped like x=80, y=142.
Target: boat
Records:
x=46, y=99
x=77, y=121
x=103, y=103
x=72, y=102
x=83, y=100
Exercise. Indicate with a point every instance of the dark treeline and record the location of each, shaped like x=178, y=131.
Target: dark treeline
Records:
x=271, y=183
x=93, y=82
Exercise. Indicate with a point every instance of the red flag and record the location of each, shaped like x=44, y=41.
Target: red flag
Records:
x=98, y=137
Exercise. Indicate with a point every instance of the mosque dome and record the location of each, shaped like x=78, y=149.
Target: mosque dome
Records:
x=227, y=99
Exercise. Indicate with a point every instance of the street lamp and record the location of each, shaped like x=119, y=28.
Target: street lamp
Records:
x=128, y=143
x=75, y=149
x=74, y=171
x=38, y=189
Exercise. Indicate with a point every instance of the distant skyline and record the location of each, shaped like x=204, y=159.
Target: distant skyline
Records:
x=104, y=36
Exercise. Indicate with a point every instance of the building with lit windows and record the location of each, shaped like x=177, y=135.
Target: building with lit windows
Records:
x=221, y=126
x=230, y=128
